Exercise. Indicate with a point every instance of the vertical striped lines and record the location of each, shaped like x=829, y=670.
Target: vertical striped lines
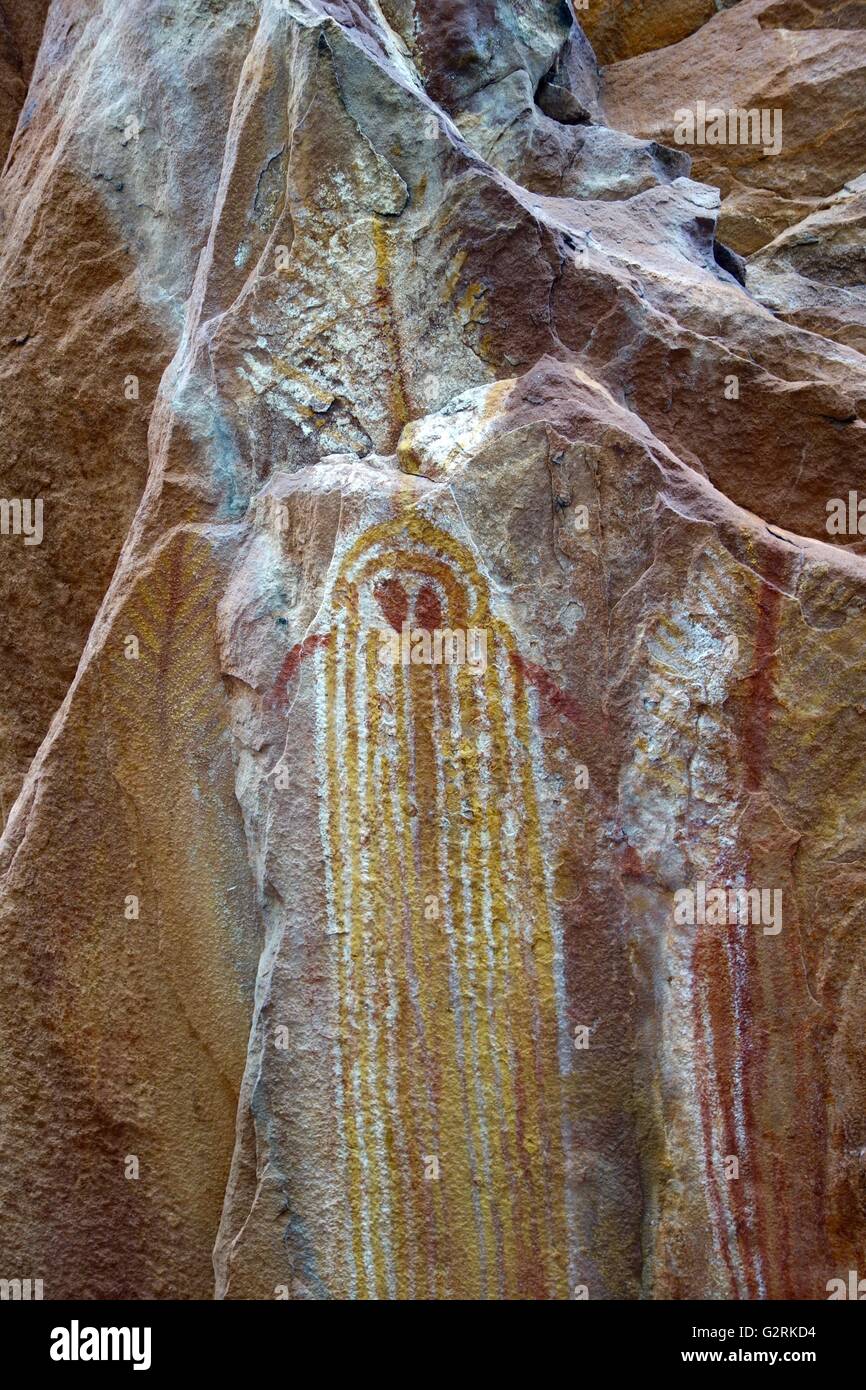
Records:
x=447, y=1082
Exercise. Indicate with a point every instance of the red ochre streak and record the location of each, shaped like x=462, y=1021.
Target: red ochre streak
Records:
x=290, y=666
x=557, y=699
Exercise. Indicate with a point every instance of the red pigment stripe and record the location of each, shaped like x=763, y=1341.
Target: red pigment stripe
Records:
x=557, y=699
x=291, y=664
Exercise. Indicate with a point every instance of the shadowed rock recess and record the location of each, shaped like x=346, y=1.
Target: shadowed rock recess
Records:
x=434, y=860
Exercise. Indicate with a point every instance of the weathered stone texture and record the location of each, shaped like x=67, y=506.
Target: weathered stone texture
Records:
x=432, y=325
x=759, y=55
x=623, y=28
x=21, y=24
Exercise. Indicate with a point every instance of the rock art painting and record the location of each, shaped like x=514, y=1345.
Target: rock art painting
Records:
x=442, y=927
x=433, y=671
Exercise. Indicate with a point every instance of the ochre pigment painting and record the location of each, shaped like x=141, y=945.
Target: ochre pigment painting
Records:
x=451, y=1042
x=432, y=673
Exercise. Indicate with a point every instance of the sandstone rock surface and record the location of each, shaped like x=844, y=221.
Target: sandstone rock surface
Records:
x=814, y=274
x=777, y=56
x=624, y=28
x=21, y=24
x=329, y=974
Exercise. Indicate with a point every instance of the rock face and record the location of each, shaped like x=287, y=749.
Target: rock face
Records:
x=21, y=23
x=624, y=28
x=814, y=274
x=438, y=866
x=800, y=65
